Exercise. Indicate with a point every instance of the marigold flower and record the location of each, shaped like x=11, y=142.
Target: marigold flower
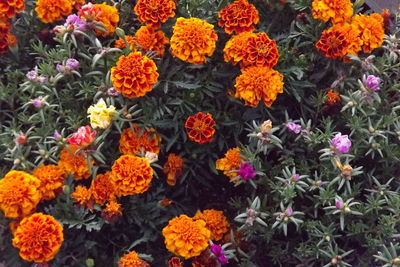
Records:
x=139, y=140
x=131, y=175
x=149, y=39
x=100, y=115
x=82, y=195
x=216, y=222
x=332, y=97
x=134, y=75
x=38, y=237
x=192, y=40
x=338, y=11
x=260, y=51
x=154, y=12
x=120, y=43
x=199, y=127
x=112, y=211
x=53, y=10
x=8, y=8
x=74, y=163
x=238, y=17
x=173, y=168
x=109, y=17
x=234, y=48
x=259, y=83
x=102, y=188
x=372, y=30
x=175, y=262
x=132, y=259
x=19, y=194
x=231, y=162
x=51, y=180
x=7, y=39
x=83, y=137
x=186, y=237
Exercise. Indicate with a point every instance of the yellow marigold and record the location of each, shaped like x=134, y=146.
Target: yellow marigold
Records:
x=38, y=237
x=82, y=195
x=136, y=140
x=53, y=10
x=154, y=12
x=74, y=163
x=132, y=259
x=109, y=17
x=51, y=180
x=102, y=188
x=372, y=30
x=131, y=175
x=192, y=40
x=173, y=168
x=258, y=83
x=134, y=75
x=19, y=194
x=7, y=39
x=112, y=211
x=338, y=11
x=216, y=222
x=234, y=48
x=100, y=115
x=186, y=237
x=238, y=17
x=8, y=8
x=149, y=39
x=260, y=51
x=230, y=162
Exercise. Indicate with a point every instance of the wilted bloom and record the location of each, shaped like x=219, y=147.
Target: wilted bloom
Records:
x=293, y=127
x=266, y=126
x=246, y=171
x=346, y=171
x=251, y=216
x=83, y=137
x=175, y=262
x=341, y=143
x=219, y=253
x=288, y=212
x=339, y=204
x=372, y=82
x=151, y=157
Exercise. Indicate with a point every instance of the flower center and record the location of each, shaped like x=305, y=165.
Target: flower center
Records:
x=199, y=125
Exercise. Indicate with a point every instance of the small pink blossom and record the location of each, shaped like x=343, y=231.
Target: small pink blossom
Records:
x=341, y=143
x=83, y=137
x=293, y=127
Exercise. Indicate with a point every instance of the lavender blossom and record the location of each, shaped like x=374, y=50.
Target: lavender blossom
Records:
x=72, y=63
x=32, y=75
x=293, y=127
x=372, y=82
x=341, y=143
x=74, y=22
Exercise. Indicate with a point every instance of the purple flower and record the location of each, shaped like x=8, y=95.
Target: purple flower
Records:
x=32, y=75
x=341, y=143
x=74, y=22
x=289, y=212
x=112, y=92
x=38, y=102
x=372, y=82
x=60, y=68
x=57, y=136
x=72, y=63
x=219, y=253
x=296, y=177
x=246, y=171
x=339, y=204
x=42, y=79
x=293, y=127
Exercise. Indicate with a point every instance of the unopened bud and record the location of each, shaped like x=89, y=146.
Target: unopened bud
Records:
x=89, y=262
x=371, y=129
x=42, y=152
x=128, y=116
x=66, y=189
x=120, y=32
x=17, y=161
x=396, y=261
x=347, y=210
x=334, y=261
x=327, y=238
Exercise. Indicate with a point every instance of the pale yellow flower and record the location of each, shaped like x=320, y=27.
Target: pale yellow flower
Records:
x=100, y=115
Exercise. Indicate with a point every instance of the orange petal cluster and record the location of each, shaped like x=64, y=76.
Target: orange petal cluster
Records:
x=258, y=83
x=131, y=175
x=216, y=222
x=75, y=163
x=38, y=237
x=154, y=12
x=109, y=17
x=338, y=11
x=371, y=29
x=234, y=48
x=238, y=17
x=260, y=51
x=19, y=194
x=120, y=43
x=51, y=180
x=83, y=196
x=136, y=140
x=230, y=163
x=173, y=168
x=332, y=97
x=193, y=39
x=53, y=10
x=132, y=259
x=134, y=75
x=7, y=39
x=199, y=127
x=9, y=8
x=112, y=209
x=102, y=188
x=186, y=237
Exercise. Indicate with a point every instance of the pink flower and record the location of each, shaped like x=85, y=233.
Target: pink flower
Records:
x=246, y=171
x=339, y=204
x=341, y=143
x=293, y=127
x=372, y=82
x=219, y=253
x=83, y=137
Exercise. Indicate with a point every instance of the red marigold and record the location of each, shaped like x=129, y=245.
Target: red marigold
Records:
x=154, y=12
x=132, y=259
x=371, y=29
x=51, y=180
x=238, y=17
x=38, y=237
x=8, y=8
x=338, y=11
x=259, y=83
x=134, y=75
x=102, y=188
x=74, y=163
x=112, y=211
x=192, y=40
x=199, y=127
x=136, y=140
x=173, y=168
x=53, y=10
x=216, y=222
x=109, y=17
x=175, y=262
x=332, y=97
x=234, y=48
x=260, y=51
x=131, y=175
x=7, y=39
x=231, y=162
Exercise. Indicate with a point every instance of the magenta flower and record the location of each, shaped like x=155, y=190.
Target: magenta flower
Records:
x=32, y=75
x=339, y=204
x=293, y=127
x=72, y=63
x=246, y=171
x=39, y=102
x=74, y=22
x=219, y=253
x=341, y=143
x=372, y=82
x=296, y=177
x=289, y=212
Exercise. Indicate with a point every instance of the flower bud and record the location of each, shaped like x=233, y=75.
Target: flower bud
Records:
x=120, y=32
x=17, y=161
x=151, y=157
x=347, y=210
x=66, y=189
x=42, y=152
x=396, y=261
x=21, y=138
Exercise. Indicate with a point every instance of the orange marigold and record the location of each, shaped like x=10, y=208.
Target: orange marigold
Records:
x=109, y=17
x=216, y=222
x=131, y=175
x=155, y=12
x=149, y=39
x=192, y=40
x=51, y=180
x=186, y=237
x=83, y=196
x=338, y=11
x=372, y=30
x=238, y=17
x=38, y=237
x=120, y=43
x=199, y=127
x=74, y=163
x=260, y=51
x=112, y=211
x=102, y=188
x=19, y=194
x=136, y=140
x=8, y=8
x=132, y=259
x=173, y=168
x=332, y=97
x=231, y=162
x=7, y=39
x=175, y=262
x=235, y=47
x=258, y=83
x=134, y=75
x=53, y=10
